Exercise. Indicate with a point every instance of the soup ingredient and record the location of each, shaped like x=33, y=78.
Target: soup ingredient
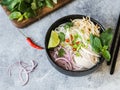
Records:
x=61, y=52
x=54, y=40
x=101, y=44
x=106, y=37
x=61, y=36
x=15, y=15
x=32, y=44
x=24, y=9
x=24, y=70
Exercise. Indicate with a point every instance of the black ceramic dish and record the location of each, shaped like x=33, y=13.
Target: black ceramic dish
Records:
x=56, y=24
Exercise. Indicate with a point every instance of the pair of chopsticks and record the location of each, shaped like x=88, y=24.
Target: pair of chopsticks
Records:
x=114, y=50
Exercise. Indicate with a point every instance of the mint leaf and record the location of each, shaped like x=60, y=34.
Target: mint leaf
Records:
x=106, y=37
x=106, y=55
x=49, y=3
x=5, y=2
x=11, y=6
x=92, y=39
x=20, y=18
x=61, y=36
x=29, y=13
x=28, y=8
x=61, y=52
x=105, y=47
x=28, y=1
x=34, y=5
x=15, y=15
x=41, y=4
x=22, y=7
x=97, y=43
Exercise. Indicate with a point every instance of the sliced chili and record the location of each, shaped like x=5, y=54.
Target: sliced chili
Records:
x=78, y=42
x=67, y=40
x=71, y=37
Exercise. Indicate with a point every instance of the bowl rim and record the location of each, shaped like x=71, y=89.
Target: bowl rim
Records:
x=77, y=16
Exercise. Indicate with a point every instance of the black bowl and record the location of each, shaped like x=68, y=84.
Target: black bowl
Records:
x=64, y=71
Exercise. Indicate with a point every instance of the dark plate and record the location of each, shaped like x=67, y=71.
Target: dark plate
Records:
x=56, y=24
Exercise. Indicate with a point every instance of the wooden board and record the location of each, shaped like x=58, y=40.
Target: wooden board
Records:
x=41, y=14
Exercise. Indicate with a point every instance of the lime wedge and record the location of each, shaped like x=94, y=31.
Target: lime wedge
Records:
x=54, y=40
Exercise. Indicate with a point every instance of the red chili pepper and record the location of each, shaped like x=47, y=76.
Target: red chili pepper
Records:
x=71, y=37
x=74, y=49
x=32, y=44
x=67, y=40
x=71, y=44
x=78, y=42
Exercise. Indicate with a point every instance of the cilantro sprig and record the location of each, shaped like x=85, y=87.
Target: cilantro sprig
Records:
x=24, y=9
x=61, y=52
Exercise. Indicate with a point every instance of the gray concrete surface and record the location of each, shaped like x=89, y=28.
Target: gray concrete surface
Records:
x=13, y=48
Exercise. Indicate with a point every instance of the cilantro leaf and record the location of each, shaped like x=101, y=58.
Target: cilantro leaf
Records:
x=27, y=8
x=61, y=52
x=61, y=36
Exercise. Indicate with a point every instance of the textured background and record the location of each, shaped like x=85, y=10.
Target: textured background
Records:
x=14, y=48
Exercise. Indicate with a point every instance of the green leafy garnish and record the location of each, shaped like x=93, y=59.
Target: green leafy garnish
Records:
x=26, y=8
x=92, y=42
x=34, y=5
x=22, y=7
x=49, y=3
x=68, y=25
x=97, y=44
x=77, y=54
x=61, y=36
x=61, y=52
x=106, y=54
x=102, y=43
x=106, y=37
x=15, y=15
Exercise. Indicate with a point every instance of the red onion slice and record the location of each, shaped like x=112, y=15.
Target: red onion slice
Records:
x=64, y=59
x=24, y=82
x=24, y=67
x=10, y=68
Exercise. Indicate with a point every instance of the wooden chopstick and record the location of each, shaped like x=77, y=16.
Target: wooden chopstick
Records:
x=116, y=48
x=114, y=40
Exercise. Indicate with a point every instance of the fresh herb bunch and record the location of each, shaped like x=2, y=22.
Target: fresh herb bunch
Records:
x=101, y=44
x=24, y=9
